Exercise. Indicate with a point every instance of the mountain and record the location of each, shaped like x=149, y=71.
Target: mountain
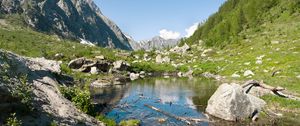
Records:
x=237, y=18
x=154, y=43
x=73, y=19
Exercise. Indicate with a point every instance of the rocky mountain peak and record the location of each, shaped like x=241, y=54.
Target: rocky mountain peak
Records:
x=73, y=19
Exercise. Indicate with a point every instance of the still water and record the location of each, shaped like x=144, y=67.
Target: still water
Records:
x=181, y=97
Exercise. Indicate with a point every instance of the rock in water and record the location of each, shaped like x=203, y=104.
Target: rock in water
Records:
x=231, y=103
x=134, y=76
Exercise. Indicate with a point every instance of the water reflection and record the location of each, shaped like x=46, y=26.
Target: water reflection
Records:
x=181, y=97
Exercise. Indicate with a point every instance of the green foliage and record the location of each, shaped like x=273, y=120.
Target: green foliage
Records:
x=15, y=19
x=287, y=103
x=24, y=92
x=17, y=83
x=106, y=121
x=81, y=98
x=13, y=121
x=53, y=123
x=235, y=16
x=152, y=67
x=132, y=122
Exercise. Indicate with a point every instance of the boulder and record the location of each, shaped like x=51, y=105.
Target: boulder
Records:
x=231, y=103
x=158, y=59
x=259, y=62
x=134, y=76
x=59, y=55
x=207, y=52
x=180, y=74
x=235, y=75
x=188, y=74
x=94, y=70
x=39, y=64
x=121, y=65
x=103, y=65
x=76, y=63
x=182, y=49
x=88, y=64
x=101, y=57
x=166, y=59
x=248, y=73
x=101, y=83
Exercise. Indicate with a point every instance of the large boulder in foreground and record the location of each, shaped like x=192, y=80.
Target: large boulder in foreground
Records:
x=231, y=103
x=48, y=103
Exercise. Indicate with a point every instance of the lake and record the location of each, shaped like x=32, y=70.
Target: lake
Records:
x=179, y=97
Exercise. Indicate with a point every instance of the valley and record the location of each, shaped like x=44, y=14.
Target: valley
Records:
x=51, y=78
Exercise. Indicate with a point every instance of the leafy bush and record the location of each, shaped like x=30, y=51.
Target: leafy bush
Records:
x=132, y=122
x=17, y=83
x=106, y=121
x=152, y=67
x=13, y=121
x=81, y=98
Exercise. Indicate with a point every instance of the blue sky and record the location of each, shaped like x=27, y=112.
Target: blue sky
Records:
x=144, y=19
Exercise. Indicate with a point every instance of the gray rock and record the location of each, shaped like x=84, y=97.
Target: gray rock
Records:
x=207, y=52
x=49, y=105
x=94, y=70
x=180, y=74
x=235, y=75
x=44, y=64
x=158, y=59
x=101, y=83
x=248, y=73
x=76, y=63
x=121, y=65
x=182, y=49
x=188, y=74
x=101, y=57
x=230, y=102
x=103, y=66
x=134, y=76
x=59, y=55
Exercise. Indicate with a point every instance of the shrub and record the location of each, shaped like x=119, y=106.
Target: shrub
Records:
x=13, y=121
x=132, y=122
x=106, y=121
x=81, y=98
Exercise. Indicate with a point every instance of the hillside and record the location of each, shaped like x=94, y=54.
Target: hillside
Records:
x=236, y=18
x=72, y=19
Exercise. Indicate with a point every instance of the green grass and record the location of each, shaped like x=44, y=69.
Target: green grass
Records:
x=130, y=122
x=286, y=103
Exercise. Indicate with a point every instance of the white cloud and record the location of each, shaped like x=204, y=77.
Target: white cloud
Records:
x=166, y=34
x=191, y=30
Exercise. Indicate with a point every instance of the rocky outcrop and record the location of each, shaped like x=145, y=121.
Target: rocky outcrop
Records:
x=182, y=49
x=154, y=43
x=230, y=102
x=121, y=66
x=74, y=19
x=49, y=105
x=92, y=66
